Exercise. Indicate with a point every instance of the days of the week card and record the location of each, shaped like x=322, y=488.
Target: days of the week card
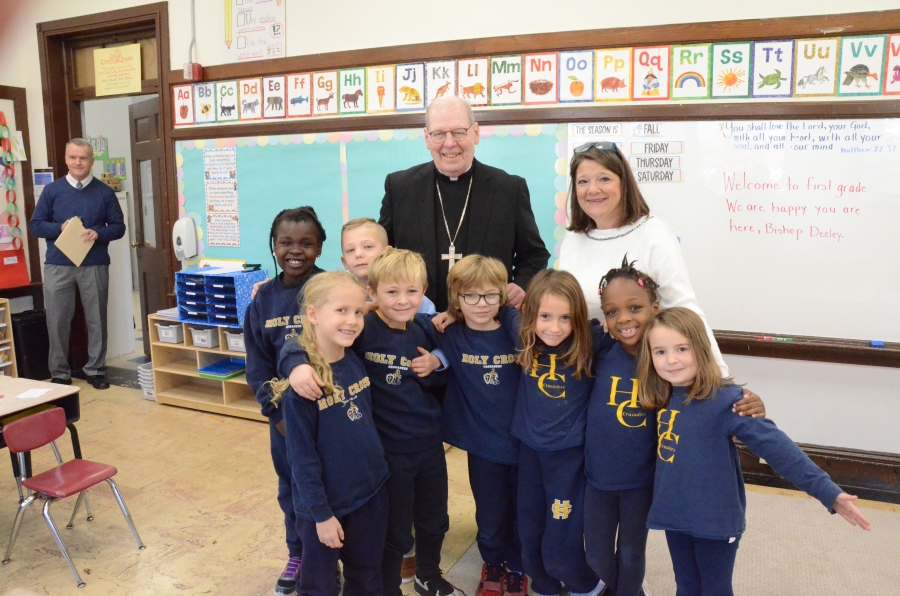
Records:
x=273, y=97
x=298, y=88
x=473, y=80
x=862, y=62
x=440, y=80
x=410, y=86
x=325, y=85
x=612, y=74
x=576, y=76
x=690, y=71
x=731, y=66
x=352, y=91
x=815, y=67
x=892, y=66
x=650, y=74
x=541, y=78
x=204, y=103
x=250, y=95
x=227, y=101
x=183, y=98
x=773, y=68
x=380, y=92
x=506, y=80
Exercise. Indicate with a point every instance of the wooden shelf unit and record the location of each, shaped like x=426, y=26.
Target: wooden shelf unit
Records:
x=7, y=340
x=177, y=382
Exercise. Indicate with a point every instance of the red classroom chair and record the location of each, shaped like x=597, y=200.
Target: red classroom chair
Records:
x=65, y=480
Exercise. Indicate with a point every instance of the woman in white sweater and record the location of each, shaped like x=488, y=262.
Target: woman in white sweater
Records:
x=609, y=219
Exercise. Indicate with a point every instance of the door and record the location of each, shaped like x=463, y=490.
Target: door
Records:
x=150, y=200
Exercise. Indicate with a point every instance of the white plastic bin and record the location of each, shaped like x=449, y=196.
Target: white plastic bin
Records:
x=205, y=338
x=2, y=331
x=5, y=354
x=170, y=334
x=5, y=369
x=145, y=378
x=235, y=341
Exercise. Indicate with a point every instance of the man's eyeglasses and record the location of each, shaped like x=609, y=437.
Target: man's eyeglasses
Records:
x=601, y=145
x=473, y=299
x=458, y=134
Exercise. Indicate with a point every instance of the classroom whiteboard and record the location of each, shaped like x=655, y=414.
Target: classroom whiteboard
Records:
x=787, y=227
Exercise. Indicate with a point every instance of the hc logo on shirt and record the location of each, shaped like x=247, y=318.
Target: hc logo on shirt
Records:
x=492, y=378
x=561, y=509
x=665, y=422
x=393, y=378
x=545, y=383
x=353, y=412
x=629, y=403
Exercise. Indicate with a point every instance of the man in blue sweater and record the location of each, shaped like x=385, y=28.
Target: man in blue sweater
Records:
x=77, y=195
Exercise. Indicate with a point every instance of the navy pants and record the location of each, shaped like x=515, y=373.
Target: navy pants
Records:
x=551, y=520
x=615, y=536
x=494, y=488
x=285, y=494
x=702, y=567
x=364, y=531
x=417, y=491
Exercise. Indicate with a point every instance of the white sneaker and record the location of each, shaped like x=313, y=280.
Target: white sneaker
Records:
x=645, y=588
x=594, y=592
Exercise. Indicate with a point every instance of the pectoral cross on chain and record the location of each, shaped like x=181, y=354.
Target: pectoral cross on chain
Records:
x=452, y=257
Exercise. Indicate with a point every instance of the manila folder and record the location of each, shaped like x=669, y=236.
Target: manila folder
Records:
x=71, y=244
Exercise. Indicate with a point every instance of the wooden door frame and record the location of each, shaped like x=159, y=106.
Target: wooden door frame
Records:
x=62, y=115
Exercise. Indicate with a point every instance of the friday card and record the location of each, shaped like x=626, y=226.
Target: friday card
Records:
x=892, y=66
x=506, y=80
x=204, y=103
x=440, y=79
x=576, y=76
x=612, y=74
x=815, y=66
x=473, y=80
x=324, y=88
x=183, y=96
x=773, y=71
x=381, y=91
x=731, y=69
x=273, y=97
x=541, y=78
x=690, y=71
x=298, y=88
x=226, y=101
x=862, y=61
x=650, y=77
x=251, y=98
x=352, y=91
x=410, y=86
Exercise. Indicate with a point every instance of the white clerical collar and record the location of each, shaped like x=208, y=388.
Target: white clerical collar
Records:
x=74, y=182
x=454, y=179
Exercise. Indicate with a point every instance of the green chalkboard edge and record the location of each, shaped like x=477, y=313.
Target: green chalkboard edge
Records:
x=801, y=347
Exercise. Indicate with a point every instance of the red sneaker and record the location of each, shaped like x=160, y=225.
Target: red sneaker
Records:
x=492, y=580
x=516, y=584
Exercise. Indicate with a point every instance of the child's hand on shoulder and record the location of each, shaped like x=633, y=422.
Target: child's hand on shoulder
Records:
x=257, y=286
x=844, y=507
x=425, y=364
x=750, y=405
x=306, y=383
x=442, y=320
x=330, y=532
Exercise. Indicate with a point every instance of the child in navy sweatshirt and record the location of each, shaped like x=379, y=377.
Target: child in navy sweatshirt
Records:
x=273, y=317
x=698, y=496
x=478, y=409
x=337, y=463
x=394, y=350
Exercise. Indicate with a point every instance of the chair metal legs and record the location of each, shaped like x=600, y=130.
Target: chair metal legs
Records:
x=82, y=496
x=23, y=505
x=115, y=489
x=59, y=541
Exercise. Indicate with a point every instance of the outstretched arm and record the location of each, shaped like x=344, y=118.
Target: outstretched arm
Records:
x=844, y=507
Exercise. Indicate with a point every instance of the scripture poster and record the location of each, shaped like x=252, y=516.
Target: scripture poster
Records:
x=117, y=70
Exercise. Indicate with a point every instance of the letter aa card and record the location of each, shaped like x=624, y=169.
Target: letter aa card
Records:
x=690, y=71
x=892, y=66
x=541, y=78
x=650, y=77
x=352, y=85
x=380, y=89
x=227, y=101
x=273, y=97
x=183, y=101
x=773, y=68
x=506, y=80
x=299, y=92
x=440, y=80
x=250, y=99
x=576, y=76
x=204, y=103
x=731, y=69
x=612, y=75
x=325, y=86
x=410, y=87
x=815, y=66
x=473, y=80
x=862, y=60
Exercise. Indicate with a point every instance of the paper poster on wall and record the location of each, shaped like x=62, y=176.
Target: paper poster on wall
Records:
x=773, y=72
x=410, y=86
x=541, y=78
x=650, y=77
x=17, y=146
x=273, y=97
x=299, y=92
x=473, y=79
x=253, y=30
x=612, y=74
x=731, y=69
x=220, y=163
x=576, y=76
x=183, y=96
x=352, y=91
x=226, y=101
x=325, y=85
x=251, y=98
x=440, y=79
x=117, y=70
x=221, y=196
x=220, y=181
x=506, y=80
x=204, y=103
x=815, y=67
x=690, y=71
x=380, y=93
x=223, y=229
x=862, y=60
x=892, y=66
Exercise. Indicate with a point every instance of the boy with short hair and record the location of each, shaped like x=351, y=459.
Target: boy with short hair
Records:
x=408, y=417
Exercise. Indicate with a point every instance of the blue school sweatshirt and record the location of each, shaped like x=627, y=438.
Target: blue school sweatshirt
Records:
x=551, y=407
x=337, y=463
x=482, y=385
x=97, y=206
x=620, y=439
x=407, y=416
x=699, y=489
x=273, y=317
